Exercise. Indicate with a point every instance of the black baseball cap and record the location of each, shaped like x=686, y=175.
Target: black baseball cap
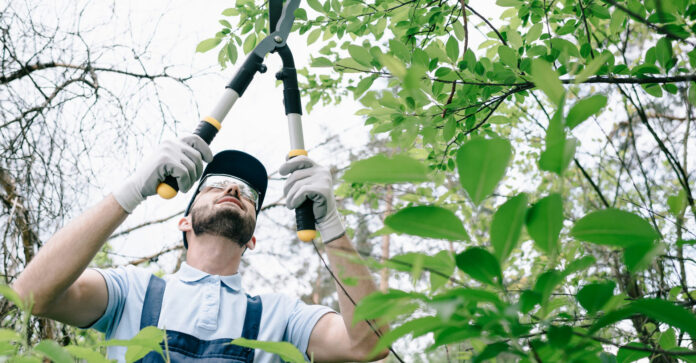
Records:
x=240, y=165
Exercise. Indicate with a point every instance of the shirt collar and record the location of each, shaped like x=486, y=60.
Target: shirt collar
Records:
x=187, y=273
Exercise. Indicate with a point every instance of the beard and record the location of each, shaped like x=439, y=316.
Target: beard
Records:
x=225, y=222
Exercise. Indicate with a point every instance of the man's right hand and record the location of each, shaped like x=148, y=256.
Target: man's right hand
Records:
x=182, y=159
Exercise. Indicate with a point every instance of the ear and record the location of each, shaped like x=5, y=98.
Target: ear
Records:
x=185, y=224
x=252, y=243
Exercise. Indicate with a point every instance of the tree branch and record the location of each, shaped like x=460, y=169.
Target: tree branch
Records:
x=650, y=25
x=28, y=69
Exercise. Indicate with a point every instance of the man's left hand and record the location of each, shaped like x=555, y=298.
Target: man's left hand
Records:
x=309, y=180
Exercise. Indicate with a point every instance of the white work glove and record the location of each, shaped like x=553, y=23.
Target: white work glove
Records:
x=182, y=159
x=309, y=180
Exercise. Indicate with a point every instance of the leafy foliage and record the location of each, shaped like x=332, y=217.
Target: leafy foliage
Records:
x=503, y=121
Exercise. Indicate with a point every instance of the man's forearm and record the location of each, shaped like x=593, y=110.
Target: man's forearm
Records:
x=342, y=266
x=66, y=255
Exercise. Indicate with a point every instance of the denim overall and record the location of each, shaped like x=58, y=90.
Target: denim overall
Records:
x=187, y=348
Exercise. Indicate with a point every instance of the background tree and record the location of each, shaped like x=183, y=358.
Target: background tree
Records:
x=62, y=94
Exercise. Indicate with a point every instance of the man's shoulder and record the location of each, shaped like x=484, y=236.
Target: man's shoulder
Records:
x=128, y=276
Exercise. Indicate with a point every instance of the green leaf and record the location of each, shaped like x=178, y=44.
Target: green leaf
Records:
x=491, y=351
x=664, y=52
x=579, y=264
x=412, y=80
x=400, y=50
x=230, y=12
x=467, y=295
x=284, y=350
x=545, y=221
x=449, y=129
x=546, y=284
x=231, y=52
x=639, y=256
x=360, y=55
x=481, y=265
x=617, y=21
x=415, y=327
x=147, y=340
x=592, y=68
x=9, y=349
x=626, y=355
x=452, y=49
x=507, y=56
x=677, y=202
x=313, y=35
x=529, y=299
x=249, y=43
x=207, y=45
x=611, y=318
x=428, y=221
x=668, y=339
x=12, y=296
x=652, y=89
x=362, y=86
x=559, y=150
x=688, y=242
x=459, y=30
x=547, y=80
x=440, y=264
x=559, y=336
x=386, y=306
x=26, y=359
x=613, y=227
x=594, y=296
x=85, y=353
x=455, y=334
x=509, y=3
x=53, y=351
x=300, y=14
x=668, y=313
x=481, y=164
x=507, y=225
x=322, y=62
x=395, y=66
x=382, y=169
x=8, y=335
x=585, y=108
x=314, y=4
x=534, y=32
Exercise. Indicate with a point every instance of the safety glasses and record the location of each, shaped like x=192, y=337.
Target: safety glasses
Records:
x=224, y=181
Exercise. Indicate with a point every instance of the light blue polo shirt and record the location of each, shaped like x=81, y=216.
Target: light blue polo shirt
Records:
x=206, y=306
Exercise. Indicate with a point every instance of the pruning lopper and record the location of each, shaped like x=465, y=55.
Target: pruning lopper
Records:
x=281, y=18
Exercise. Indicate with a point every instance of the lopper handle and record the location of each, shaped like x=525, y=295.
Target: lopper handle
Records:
x=304, y=214
x=206, y=129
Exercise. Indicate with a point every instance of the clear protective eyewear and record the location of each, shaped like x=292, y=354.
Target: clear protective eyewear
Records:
x=223, y=182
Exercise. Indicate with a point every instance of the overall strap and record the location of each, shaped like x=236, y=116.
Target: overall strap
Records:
x=252, y=320
x=152, y=306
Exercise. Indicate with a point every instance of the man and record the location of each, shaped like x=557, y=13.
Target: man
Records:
x=202, y=306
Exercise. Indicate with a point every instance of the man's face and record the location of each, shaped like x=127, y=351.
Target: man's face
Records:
x=224, y=212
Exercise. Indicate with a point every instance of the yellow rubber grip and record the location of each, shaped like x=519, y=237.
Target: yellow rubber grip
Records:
x=297, y=152
x=306, y=235
x=213, y=122
x=166, y=191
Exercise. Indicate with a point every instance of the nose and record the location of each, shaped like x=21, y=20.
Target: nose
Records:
x=233, y=189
